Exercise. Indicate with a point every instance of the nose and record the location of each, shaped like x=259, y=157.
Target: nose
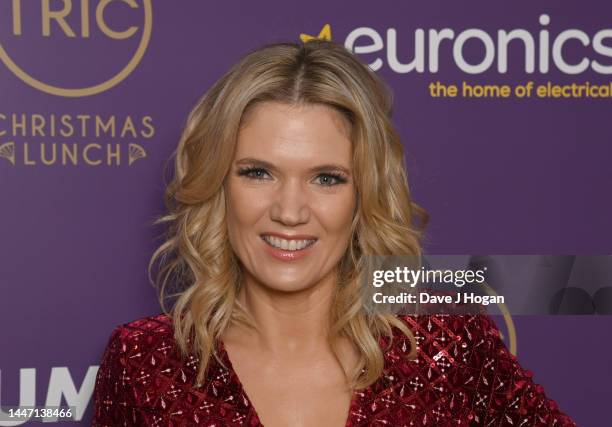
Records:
x=290, y=205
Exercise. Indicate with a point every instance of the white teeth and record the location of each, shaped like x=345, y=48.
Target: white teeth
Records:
x=287, y=245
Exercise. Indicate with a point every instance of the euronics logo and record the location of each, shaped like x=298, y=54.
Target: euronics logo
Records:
x=421, y=50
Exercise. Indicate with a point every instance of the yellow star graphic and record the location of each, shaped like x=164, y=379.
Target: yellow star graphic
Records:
x=324, y=34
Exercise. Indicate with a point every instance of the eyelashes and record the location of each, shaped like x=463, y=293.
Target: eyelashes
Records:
x=332, y=178
x=326, y=179
x=251, y=172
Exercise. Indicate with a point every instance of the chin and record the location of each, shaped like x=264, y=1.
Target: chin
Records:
x=288, y=285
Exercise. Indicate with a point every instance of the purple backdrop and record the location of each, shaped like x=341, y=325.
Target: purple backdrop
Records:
x=503, y=176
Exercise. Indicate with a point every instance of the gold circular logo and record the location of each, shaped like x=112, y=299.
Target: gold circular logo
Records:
x=95, y=89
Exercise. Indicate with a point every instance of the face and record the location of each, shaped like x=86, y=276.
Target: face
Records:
x=290, y=195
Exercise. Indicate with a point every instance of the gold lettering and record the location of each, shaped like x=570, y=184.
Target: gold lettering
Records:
x=17, y=17
x=3, y=117
x=53, y=125
x=58, y=15
x=105, y=127
x=17, y=125
x=67, y=122
x=147, y=121
x=128, y=126
x=86, y=155
x=73, y=155
x=118, y=35
x=83, y=118
x=116, y=155
x=43, y=155
x=26, y=155
x=85, y=18
x=38, y=125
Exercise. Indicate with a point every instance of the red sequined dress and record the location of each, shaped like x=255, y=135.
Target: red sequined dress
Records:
x=463, y=375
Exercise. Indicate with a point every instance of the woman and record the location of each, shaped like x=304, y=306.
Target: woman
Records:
x=289, y=172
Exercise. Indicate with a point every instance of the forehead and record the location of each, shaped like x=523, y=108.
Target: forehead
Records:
x=295, y=133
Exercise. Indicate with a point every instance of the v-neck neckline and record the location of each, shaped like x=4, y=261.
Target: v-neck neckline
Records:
x=236, y=380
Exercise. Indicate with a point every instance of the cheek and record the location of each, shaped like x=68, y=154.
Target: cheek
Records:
x=336, y=213
x=244, y=208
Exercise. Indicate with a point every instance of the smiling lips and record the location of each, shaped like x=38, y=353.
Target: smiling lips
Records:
x=287, y=248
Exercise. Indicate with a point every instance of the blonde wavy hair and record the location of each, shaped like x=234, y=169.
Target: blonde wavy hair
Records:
x=197, y=269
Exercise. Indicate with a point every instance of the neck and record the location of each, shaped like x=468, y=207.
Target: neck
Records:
x=288, y=322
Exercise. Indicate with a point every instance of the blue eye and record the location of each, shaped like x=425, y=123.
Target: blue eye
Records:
x=330, y=179
x=325, y=179
x=254, y=173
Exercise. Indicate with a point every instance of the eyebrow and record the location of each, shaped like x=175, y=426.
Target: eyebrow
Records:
x=267, y=165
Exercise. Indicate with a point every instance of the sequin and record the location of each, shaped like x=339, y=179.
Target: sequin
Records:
x=463, y=376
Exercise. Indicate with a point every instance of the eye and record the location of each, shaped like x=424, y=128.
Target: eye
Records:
x=253, y=173
x=330, y=179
